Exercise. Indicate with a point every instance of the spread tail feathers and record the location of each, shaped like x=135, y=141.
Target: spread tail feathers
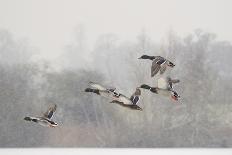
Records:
x=171, y=64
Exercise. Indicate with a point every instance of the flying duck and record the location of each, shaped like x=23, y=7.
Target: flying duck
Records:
x=117, y=98
x=158, y=64
x=164, y=88
x=45, y=120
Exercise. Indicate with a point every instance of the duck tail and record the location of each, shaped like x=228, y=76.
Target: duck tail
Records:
x=96, y=91
x=154, y=90
x=171, y=64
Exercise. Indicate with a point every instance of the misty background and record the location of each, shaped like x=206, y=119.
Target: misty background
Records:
x=38, y=69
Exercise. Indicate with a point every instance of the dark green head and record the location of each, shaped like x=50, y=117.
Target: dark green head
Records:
x=147, y=57
x=144, y=86
x=27, y=118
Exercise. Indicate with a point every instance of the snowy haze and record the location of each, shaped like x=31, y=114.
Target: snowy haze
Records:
x=50, y=50
x=50, y=24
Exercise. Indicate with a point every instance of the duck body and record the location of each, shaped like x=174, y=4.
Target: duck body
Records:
x=159, y=64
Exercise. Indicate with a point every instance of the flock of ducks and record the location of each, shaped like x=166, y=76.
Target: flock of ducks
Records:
x=164, y=87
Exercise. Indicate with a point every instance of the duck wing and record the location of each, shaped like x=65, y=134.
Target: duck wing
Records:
x=135, y=96
x=49, y=113
x=163, y=69
x=154, y=68
x=134, y=99
x=157, y=65
x=163, y=64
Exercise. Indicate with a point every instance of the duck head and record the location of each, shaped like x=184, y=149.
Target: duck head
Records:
x=27, y=118
x=144, y=86
x=146, y=57
x=175, y=96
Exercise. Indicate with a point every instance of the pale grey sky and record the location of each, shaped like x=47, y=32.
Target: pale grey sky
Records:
x=50, y=24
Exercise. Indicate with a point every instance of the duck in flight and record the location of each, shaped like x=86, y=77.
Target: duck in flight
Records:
x=165, y=88
x=115, y=97
x=44, y=120
x=158, y=64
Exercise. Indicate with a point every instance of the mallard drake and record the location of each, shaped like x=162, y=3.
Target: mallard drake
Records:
x=45, y=120
x=117, y=98
x=164, y=88
x=158, y=64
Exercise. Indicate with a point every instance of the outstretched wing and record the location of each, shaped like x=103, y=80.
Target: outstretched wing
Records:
x=50, y=112
x=154, y=68
x=162, y=69
x=134, y=99
x=157, y=65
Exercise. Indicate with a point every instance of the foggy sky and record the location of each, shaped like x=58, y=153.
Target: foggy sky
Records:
x=50, y=24
x=101, y=41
